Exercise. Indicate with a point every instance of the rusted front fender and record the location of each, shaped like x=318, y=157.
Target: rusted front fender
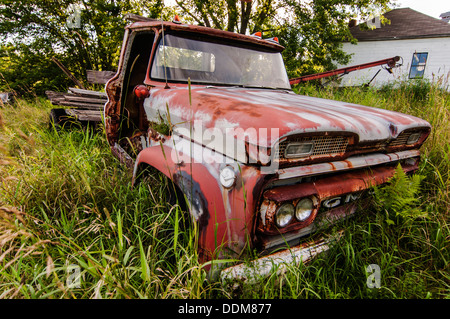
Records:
x=225, y=216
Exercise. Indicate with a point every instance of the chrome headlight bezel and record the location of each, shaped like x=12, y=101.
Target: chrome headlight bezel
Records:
x=284, y=214
x=304, y=209
x=227, y=177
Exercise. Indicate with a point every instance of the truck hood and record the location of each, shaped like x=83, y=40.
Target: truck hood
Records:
x=272, y=114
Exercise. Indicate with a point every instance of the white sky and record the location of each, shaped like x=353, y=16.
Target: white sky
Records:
x=433, y=8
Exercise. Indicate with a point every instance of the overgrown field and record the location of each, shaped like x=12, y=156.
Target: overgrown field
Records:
x=67, y=208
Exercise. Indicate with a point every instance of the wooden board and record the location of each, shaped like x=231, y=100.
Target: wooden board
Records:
x=88, y=93
x=86, y=115
x=54, y=96
x=78, y=98
x=99, y=77
x=83, y=99
x=81, y=106
x=137, y=18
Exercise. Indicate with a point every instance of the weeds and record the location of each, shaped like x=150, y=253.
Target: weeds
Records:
x=71, y=225
x=399, y=197
x=66, y=201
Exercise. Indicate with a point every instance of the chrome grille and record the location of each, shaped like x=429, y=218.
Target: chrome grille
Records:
x=322, y=145
x=401, y=139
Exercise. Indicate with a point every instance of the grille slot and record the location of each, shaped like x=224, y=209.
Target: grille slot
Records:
x=401, y=139
x=322, y=145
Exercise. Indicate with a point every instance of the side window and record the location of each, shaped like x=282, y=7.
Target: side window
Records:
x=419, y=60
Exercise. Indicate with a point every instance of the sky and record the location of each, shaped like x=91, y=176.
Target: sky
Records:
x=433, y=8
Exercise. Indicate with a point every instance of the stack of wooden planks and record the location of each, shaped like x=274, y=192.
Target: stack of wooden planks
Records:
x=80, y=104
x=83, y=105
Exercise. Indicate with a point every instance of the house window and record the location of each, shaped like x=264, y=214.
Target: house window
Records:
x=419, y=60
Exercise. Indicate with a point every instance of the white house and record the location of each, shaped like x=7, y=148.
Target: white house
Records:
x=422, y=42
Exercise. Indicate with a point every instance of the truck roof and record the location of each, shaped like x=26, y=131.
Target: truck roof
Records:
x=142, y=25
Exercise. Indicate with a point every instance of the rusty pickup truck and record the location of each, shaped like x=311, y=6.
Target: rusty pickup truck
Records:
x=260, y=166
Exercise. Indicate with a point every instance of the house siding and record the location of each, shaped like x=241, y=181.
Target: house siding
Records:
x=437, y=66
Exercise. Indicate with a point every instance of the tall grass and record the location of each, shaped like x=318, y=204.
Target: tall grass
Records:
x=66, y=201
x=67, y=208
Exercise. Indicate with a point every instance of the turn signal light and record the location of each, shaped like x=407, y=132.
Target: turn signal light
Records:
x=176, y=19
x=257, y=34
x=141, y=92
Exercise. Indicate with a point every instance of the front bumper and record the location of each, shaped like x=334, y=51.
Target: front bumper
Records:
x=251, y=272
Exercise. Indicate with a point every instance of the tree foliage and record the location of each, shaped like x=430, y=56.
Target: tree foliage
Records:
x=311, y=30
x=82, y=35
x=34, y=32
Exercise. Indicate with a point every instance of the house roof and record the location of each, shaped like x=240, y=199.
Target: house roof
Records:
x=406, y=23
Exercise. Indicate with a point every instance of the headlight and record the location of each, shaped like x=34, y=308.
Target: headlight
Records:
x=413, y=138
x=304, y=209
x=298, y=149
x=284, y=214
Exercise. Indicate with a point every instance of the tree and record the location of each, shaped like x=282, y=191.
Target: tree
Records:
x=82, y=34
x=231, y=15
x=87, y=34
x=312, y=31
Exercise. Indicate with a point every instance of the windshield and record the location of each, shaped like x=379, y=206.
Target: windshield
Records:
x=179, y=58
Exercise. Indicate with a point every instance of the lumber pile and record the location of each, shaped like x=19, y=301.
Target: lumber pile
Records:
x=83, y=105
x=79, y=104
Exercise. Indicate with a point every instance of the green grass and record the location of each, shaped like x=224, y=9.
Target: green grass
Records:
x=66, y=201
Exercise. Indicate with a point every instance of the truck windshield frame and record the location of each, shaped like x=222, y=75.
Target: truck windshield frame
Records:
x=217, y=62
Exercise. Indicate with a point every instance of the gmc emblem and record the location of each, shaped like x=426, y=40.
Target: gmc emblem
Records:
x=340, y=200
